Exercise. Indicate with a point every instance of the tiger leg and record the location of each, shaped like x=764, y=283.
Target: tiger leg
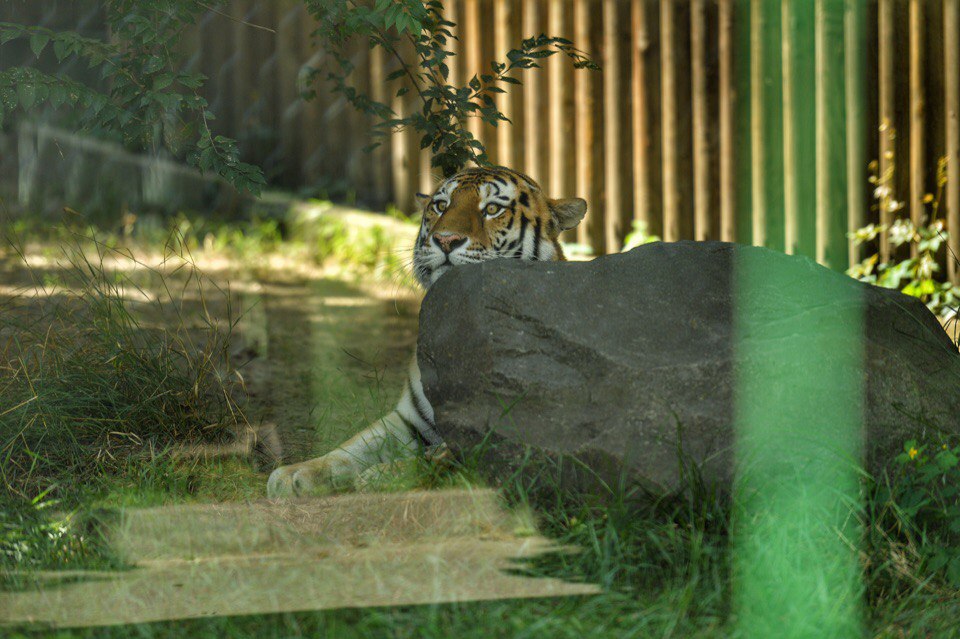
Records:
x=403, y=433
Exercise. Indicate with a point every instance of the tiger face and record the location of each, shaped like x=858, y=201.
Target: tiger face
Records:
x=484, y=213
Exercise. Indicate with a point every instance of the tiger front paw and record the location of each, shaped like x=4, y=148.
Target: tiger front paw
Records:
x=324, y=475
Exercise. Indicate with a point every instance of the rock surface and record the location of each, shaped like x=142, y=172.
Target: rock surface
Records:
x=609, y=361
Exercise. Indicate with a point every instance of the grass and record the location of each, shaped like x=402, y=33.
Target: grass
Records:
x=664, y=568
x=318, y=233
x=103, y=380
x=97, y=394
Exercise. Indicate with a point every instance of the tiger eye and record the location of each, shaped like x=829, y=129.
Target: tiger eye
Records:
x=441, y=206
x=492, y=209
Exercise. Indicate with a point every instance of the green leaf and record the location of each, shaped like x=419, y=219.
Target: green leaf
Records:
x=154, y=63
x=207, y=159
x=26, y=94
x=8, y=33
x=162, y=81
x=953, y=571
x=60, y=49
x=38, y=41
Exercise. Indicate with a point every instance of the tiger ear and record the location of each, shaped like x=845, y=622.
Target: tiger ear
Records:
x=422, y=200
x=568, y=211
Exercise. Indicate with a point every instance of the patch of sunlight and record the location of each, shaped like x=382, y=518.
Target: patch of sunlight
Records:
x=351, y=551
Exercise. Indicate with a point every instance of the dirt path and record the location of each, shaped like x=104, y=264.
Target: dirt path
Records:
x=329, y=359
x=321, y=357
x=205, y=560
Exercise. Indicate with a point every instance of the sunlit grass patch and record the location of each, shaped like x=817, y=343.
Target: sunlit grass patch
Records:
x=103, y=379
x=103, y=370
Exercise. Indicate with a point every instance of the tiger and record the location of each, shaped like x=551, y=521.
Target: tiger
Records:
x=477, y=214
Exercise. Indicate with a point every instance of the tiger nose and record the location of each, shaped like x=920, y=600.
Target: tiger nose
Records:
x=448, y=241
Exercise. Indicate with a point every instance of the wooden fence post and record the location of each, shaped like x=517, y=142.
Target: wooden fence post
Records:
x=313, y=141
x=509, y=134
x=855, y=47
x=589, y=131
x=472, y=45
x=917, y=118
x=766, y=119
x=702, y=180
x=743, y=119
x=729, y=100
x=831, y=136
x=562, y=152
x=670, y=121
x=216, y=63
x=645, y=108
x=404, y=148
x=616, y=201
x=535, y=103
x=799, y=128
x=289, y=102
x=380, y=156
x=951, y=62
x=887, y=79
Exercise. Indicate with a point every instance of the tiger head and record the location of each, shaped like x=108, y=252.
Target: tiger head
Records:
x=484, y=213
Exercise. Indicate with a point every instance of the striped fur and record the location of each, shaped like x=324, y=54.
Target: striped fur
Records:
x=478, y=214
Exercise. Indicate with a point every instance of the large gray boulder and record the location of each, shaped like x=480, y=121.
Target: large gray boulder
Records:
x=624, y=361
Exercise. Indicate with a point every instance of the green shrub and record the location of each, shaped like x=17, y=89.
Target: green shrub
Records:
x=916, y=275
x=920, y=507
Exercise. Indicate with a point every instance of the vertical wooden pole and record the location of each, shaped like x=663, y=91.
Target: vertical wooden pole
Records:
x=616, y=202
x=380, y=156
x=563, y=151
x=488, y=132
x=766, y=121
x=509, y=134
x=887, y=90
x=855, y=47
x=831, y=136
x=242, y=70
x=191, y=47
x=357, y=128
x=267, y=152
x=535, y=90
x=757, y=113
x=290, y=104
x=405, y=161
x=589, y=131
x=792, y=64
x=702, y=180
x=799, y=123
x=472, y=42
x=427, y=178
x=917, y=118
x=743, y=118
x=404, y=148
x=216, y=32
x=312, y=136
x=646, y=147
x=727, y=104
x=951, y=62
x=670, y=121
x=453, y=11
